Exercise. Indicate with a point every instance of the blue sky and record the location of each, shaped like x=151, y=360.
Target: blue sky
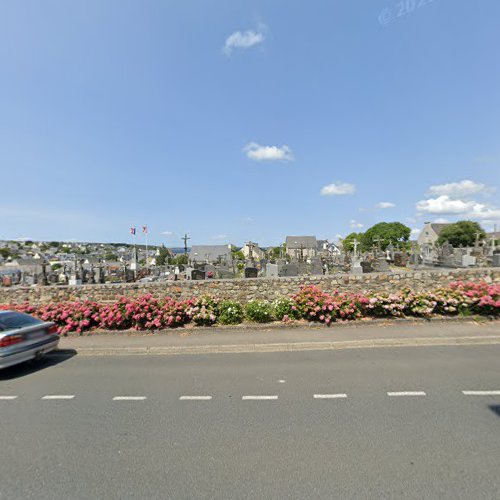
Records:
x=236, y=120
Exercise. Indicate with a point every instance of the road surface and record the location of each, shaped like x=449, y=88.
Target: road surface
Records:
x=417, y=422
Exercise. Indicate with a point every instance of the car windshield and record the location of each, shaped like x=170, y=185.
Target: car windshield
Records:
x=14, y=320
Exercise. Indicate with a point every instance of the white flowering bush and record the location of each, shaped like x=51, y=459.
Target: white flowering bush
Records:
x=259, y=311
x=230, y=313
x=204, y=311
x=285, y=309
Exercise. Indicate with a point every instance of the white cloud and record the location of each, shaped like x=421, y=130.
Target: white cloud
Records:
x=441, y=220
x=385, y=204
x=458, y=189
x=337, y=189
x=468, y=209
x=355, y=224
x=415, y=232
x=444, y=205
x=167, y=233
x=219, y=237
x=257, y=152
x=242, y=40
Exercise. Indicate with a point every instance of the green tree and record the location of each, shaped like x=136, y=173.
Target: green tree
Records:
x=461, y=233
x=110, y=256
x=385, y=233
x=347, y=242
x=162, y=259
x=5, y=252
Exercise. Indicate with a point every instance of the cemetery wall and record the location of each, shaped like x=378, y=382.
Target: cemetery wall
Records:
x=244, y=290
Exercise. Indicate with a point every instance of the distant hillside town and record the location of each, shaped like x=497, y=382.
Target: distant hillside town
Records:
x=379, y=249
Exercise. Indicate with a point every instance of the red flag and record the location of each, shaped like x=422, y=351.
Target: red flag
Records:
x=132, y=230
x=144, y=229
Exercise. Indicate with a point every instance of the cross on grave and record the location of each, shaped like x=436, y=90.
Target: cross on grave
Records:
x=355, y=244
x=185, y=238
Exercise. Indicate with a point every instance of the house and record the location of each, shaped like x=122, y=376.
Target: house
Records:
x=210, y=254
x=252, y=251
x=301, y=247
x=327, y=248
x=430, y=233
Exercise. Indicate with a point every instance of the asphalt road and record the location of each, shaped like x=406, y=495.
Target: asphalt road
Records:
x=327, y=429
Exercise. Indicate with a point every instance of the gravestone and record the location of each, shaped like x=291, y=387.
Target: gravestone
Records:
x=316, y=266
x=366, y=266
x=380, y=266
x=468, y=260
x=251, y=272
x=289, y=270
x=495, y=261
x=197, y=274
x=225, y=274
x=400, y=259
x=272, y=270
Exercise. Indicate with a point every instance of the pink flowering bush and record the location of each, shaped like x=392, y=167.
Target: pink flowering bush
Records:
x=311, y=304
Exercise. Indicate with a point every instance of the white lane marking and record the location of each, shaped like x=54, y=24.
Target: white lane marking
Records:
x=7, y=398
x=195, y=398
x=129, y=398
x=330, y=396
x=59, y=396
x=481, y=393
x=407, y=393
x=258, y=398
x=281, y=381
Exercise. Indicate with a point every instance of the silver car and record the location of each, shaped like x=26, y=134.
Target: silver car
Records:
x=23, y=338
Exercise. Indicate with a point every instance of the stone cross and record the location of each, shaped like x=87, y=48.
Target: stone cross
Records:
x=355, y=244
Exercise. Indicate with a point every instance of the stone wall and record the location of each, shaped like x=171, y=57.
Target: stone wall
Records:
x=244, y=290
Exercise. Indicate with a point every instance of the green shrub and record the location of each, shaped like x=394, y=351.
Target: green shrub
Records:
x=285, y=307
x=230, y=313
x=259, y=311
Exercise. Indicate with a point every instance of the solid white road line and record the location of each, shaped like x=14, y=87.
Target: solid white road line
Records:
x=129, y=398
x=59, y=396
x=7, y=398
x=281, y=381
x=407, y=393
x=195, y=398
x=258, y=398
x=481, y=393
x=330, y=396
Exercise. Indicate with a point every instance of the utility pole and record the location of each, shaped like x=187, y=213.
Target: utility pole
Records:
x=185, y=239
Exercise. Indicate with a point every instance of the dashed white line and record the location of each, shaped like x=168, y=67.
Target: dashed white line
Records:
x=195, y=398
x=281, y=381
x=129, y=398
x=7, y=398
x=481, y=393
x=59, y=396
x=258, y=398
x=406, y=393
x=330, y=396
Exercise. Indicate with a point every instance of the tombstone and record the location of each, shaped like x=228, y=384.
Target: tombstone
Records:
x=272, y=270
x=251, y=272
x=316, y=266
x=197, y=274
x=400, y=259
x=366, y=266
x=356, y=267
x=289, y=270
x=225, y=274
x=468, y=260
x=380, y=266
x=495, y=261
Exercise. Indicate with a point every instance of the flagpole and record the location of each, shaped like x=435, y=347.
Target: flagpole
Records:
x=147, y=262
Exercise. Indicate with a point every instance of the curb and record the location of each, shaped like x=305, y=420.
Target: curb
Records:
x=280, y=347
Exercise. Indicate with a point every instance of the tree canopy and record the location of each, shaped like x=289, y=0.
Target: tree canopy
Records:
x=461, y=233
x=347, y=242
x=385, y=233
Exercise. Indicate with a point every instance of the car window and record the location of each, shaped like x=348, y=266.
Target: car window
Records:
x=11, y=321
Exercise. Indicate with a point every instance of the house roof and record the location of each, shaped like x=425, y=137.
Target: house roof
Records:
x=438, y=227
x=202, y=253
x=298, y=242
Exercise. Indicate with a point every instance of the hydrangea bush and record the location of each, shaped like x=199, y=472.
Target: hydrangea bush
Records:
x=259, y=311
x=311, y=304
